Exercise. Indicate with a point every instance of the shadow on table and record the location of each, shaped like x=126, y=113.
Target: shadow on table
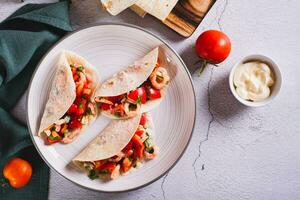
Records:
x=223, y=104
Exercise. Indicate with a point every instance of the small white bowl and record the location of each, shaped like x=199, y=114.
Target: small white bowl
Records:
x=275, y=88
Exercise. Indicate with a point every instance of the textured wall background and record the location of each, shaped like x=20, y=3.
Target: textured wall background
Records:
x=236, y=152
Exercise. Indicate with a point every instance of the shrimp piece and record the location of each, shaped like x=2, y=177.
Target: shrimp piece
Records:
x=129, y=111
x=153, y=155
x=115, y=173
x=57, y=127
x=159, y=78
x=71, y=136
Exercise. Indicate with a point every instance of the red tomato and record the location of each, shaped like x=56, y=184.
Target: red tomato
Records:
x=99, y=164
x=104, y=106
x=213, y=46
x=115, y=99
x=153, y=93
x=126, y=164
x=18, y=172
x=49, y=141
x=108, y=167
x=157, y=63
x=143, y=120
x=139, y=132
x=138, y=146
x=137, y=94
x=74, y=124
x=73, y=108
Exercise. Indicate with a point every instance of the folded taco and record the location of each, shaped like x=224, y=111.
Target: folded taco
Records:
x=69, y=107
x=137, y=89
x=121, y=147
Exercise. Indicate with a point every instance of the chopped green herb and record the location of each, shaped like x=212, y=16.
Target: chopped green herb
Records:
x=54, y=138
x=88, y=111
x=81, y=68
x=93, y=175
x=117, y=114
x=80, y=105
x=132, y=106
x=103, y=172
x=65, y=133
x=88, y=168
x=151, y=150
x=139, y=100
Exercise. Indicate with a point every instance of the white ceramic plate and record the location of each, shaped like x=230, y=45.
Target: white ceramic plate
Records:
x=110, y=48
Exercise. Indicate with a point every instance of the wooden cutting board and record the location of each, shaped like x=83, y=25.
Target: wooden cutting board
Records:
x=187, y=15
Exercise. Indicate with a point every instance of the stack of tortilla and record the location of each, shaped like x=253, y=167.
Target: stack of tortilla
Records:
x=157, y=8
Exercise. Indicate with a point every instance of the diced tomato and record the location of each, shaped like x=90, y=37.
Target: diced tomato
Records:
x=73, y=108
x=49, y=141
x=86, y=84
x=138, y=95
x=73, y=70
x=129, y=146
x=126, y=164
x=143, y=120
x=157, y=63
x=109, y=167
x=115, y=99
x=74, y=124
x=153, y=93
x=86, y=92
x=119, y=109
x=64, y=128
x=104, y=106
x=99, y=164
x=79, y=90
x=81, y=107
x=139, y=132
x=138, y=146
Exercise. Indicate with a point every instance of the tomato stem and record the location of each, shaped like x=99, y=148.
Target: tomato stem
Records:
x=202, y=67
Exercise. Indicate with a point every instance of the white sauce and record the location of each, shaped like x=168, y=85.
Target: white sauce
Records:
x=253, y=81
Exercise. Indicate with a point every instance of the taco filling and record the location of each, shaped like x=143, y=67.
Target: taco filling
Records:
x=81, y=112
x=138, y=149
x=129, y=104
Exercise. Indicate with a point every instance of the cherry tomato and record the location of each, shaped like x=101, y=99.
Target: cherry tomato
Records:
x=74, y=124
x=104, y=106
x=143, y=120
x=153, y=93
x=213, y=46
x=18, y=172
x=138, y=95
x=126, y=164
x=73, y=108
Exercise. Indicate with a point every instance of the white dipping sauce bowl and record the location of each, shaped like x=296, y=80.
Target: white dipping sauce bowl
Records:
x=274, y=89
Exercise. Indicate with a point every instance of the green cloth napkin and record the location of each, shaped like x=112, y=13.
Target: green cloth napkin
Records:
x=25, y=36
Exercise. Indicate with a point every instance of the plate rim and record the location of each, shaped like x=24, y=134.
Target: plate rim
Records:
x=124, y=25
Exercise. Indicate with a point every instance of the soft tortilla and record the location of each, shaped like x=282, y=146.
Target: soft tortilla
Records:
x=130, y=79
x=110, y=141
x=63, y=90
x=158, y=8
x=114, y=7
